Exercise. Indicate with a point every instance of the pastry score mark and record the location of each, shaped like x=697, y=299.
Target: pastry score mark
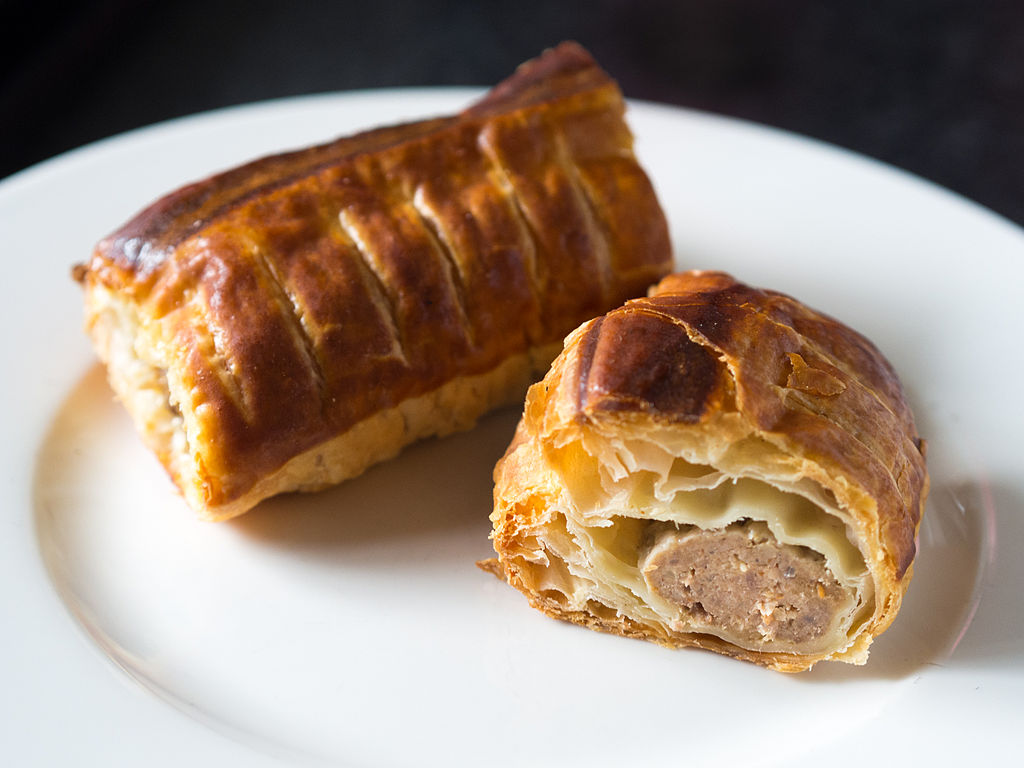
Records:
x=295, y=317
x=588, y=346
x=456, y=280
x=597, y=233
x=527, y=235
x=375, y=283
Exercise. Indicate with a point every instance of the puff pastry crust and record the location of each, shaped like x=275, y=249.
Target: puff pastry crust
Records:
x=716, y=466
x=286, y=324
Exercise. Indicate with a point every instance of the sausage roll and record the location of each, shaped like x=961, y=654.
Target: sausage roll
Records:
x=716, y=466
x=286, y=324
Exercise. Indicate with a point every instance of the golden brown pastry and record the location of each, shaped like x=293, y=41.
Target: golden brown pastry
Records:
x=716, y=466
x=284, y=325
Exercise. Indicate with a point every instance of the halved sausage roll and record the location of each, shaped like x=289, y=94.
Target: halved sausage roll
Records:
x=716, y=466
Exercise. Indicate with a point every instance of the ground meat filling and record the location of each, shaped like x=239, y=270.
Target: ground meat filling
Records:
x=743, y=582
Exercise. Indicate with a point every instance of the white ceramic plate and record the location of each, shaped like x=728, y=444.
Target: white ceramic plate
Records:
x=353, y=627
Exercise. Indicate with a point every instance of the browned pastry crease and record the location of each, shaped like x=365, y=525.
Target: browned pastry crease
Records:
x=716, y=466
x=283, y=325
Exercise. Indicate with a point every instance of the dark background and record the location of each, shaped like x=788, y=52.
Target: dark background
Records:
x=936, y=88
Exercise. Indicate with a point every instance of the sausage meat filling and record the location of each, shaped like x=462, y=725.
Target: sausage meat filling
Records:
x=739, y=581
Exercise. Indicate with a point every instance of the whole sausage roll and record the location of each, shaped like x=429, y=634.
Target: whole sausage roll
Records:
x=286, y=324
x=716, y=466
